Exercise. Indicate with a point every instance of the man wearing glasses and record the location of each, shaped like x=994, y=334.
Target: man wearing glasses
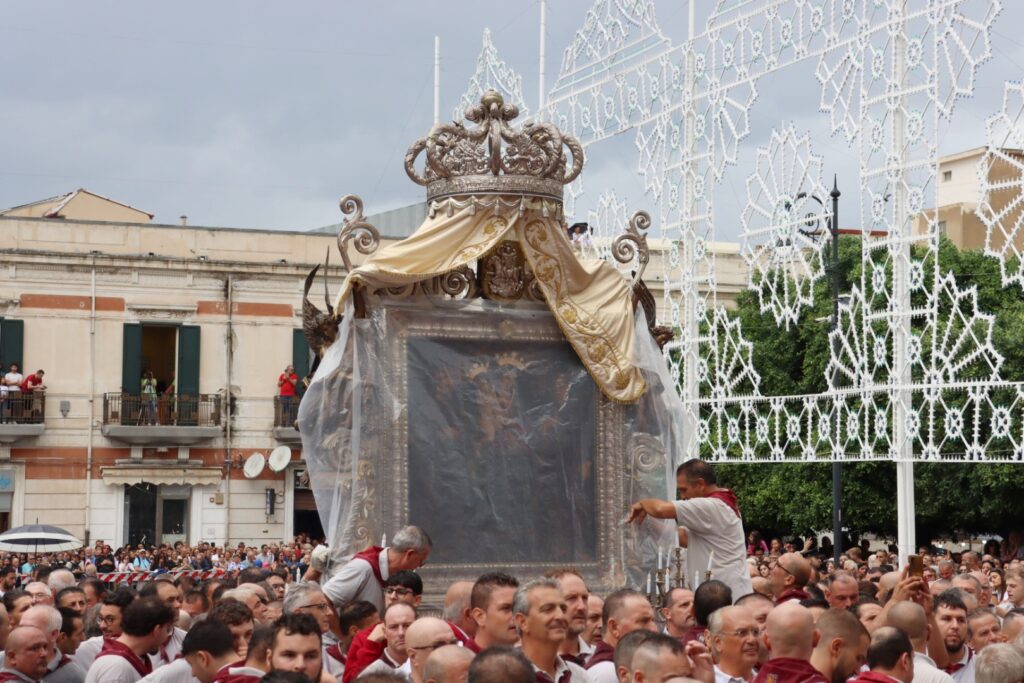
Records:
x=424, y=636
x=403, y=586
x=788, y=578
x=307, y=598
x=733, y=638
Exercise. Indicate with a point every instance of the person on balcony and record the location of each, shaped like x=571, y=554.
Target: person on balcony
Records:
x=148, y=399
x=33, y=386
x=12, y=393
x=286, y=391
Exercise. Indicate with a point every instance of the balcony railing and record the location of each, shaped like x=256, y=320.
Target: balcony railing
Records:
x=23, y=407
x=132, y=410
x=286, y=409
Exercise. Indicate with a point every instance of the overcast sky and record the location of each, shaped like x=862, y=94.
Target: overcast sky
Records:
x=263, y=114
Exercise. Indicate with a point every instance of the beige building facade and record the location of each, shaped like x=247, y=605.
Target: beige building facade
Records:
x=95, y=304
x=960, y=193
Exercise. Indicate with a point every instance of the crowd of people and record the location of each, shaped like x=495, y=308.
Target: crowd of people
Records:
x=942, y=620
x=100, y=558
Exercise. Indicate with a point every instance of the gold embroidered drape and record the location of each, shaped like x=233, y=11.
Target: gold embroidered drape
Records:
x=590, y=300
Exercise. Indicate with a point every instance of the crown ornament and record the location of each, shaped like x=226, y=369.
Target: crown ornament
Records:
x=493, y=158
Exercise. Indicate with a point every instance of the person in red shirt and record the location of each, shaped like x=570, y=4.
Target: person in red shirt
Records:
x=286, y=390
x=29, y=387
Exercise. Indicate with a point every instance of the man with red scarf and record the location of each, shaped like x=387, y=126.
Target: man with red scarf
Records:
x=890, y=658
x=790, y=638
x=711, y=517
x=147, y=624
x=363, y=577
x=789, y=577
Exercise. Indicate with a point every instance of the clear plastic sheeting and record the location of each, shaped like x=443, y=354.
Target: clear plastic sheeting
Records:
x=479, y=423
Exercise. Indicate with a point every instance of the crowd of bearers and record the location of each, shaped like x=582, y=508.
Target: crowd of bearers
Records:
x=802, y=621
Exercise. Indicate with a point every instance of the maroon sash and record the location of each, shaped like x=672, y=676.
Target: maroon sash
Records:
x=372, y=555
x=872, y=677
x=115, y=648
x=335, y=653
x=10, y=676
x=603, y=652
x=793, y=594
x=225, y=675
x=788, y=670
x=541, y=677
x=727, y=497
x=464, y=638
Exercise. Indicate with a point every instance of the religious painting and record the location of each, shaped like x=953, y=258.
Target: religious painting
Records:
x=501, y=450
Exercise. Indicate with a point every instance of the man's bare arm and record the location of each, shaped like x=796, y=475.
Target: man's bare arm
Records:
x=659, y=509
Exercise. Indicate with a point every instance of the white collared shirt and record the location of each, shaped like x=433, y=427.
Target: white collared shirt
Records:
x=577, y=673
x=722, y=677
x=925, y=670
x=966, y=674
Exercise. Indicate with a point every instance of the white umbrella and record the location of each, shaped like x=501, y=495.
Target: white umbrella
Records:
x=41, y=538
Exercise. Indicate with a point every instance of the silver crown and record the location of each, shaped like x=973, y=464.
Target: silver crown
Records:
x=473, y=161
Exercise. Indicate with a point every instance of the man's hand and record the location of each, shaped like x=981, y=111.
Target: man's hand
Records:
x=703, y=667
x=377, y=634
x=636, y=513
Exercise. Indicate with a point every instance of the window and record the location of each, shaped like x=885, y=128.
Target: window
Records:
x=12, y=333
x=302, y=357
x=170, y=351
x=942, y=229
x=947, y=176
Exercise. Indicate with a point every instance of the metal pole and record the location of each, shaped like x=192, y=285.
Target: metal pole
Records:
x=837, y=468
x=543, y=30
x=437, y=80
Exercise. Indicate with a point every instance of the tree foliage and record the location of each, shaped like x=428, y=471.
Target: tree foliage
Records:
x=949, y=497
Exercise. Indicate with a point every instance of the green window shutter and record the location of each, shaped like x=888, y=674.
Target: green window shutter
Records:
x=300, y=359
x=188, y=360
x=12, y=338
x=131, y=359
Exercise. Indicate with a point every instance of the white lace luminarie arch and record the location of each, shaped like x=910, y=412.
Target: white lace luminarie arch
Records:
x=905, y=383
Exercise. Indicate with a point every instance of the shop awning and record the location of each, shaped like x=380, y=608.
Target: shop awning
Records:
x=122, y=475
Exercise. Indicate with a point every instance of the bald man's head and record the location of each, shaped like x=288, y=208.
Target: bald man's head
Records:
x=839, y=623
x=28, y=651
x=798, y=566
x=910, y=618
x=448, y=664
x=790, y=631
x=424, y=636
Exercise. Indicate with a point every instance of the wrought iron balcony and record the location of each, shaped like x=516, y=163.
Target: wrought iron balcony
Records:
x=173, y=420
x=22, y=414
x=286, y=410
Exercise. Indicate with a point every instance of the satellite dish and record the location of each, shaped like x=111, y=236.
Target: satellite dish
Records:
x=279, y=458
x=254, y=464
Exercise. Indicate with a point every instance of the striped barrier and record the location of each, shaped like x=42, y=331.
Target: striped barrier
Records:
x=126, y=578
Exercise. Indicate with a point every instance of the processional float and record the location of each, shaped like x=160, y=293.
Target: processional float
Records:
x=482, y=380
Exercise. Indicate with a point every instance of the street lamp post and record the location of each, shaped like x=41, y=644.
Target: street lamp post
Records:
x=833, y=272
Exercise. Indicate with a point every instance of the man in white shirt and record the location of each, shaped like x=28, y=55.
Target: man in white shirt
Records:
x=207, y=651
x=540, y=616
x=711, y=517
x=574, y=649
x=363, y=577
x=890, y=657
x=12, y=392
x=625, y=611
x=146, y=625
x=733, y=637
x=950, y=614
x=910, y=618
